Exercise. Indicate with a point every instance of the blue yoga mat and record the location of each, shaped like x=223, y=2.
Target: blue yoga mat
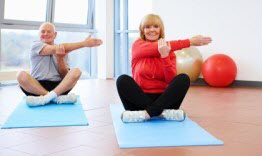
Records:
x=159, y=133
x=50, y=115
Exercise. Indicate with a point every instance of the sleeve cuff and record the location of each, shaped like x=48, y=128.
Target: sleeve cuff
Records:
x=166, y=61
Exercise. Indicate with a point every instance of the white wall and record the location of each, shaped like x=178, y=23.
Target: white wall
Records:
x=234, y=25
x=105, y=26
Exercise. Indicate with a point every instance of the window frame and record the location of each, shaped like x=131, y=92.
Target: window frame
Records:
x=121, y=68
x=50, y=11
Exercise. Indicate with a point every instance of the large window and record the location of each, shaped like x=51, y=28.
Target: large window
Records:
x=128, y=14
x=19, y=24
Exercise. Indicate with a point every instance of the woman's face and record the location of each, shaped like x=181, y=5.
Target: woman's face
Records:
x=152, y=32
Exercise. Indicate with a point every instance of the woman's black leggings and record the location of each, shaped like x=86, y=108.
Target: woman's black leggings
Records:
x=133, y=97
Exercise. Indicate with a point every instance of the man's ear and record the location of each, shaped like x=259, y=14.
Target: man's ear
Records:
x=55, y=34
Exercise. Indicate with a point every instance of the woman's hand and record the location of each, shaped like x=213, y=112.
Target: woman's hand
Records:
x=199, y=40
x=163, y=47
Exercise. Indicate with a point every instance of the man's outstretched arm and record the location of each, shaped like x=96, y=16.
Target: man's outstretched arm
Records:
x=88, y=42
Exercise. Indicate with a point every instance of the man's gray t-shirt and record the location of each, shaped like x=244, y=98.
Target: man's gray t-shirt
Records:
x=43, y=67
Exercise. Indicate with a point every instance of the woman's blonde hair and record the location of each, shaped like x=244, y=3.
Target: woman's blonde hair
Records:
x=151, y=19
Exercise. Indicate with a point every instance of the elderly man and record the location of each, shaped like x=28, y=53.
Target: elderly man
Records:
x=50, y=78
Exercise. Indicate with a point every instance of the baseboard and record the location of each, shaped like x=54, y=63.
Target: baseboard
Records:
x=236, y=83
x=8, y=83
x=198, y=82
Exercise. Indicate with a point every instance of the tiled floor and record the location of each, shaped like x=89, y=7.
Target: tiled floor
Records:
x=233, y=115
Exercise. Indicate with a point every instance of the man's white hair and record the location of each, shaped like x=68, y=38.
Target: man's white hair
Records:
x=47, y=23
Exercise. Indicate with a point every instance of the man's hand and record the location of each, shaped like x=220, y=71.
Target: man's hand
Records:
x=163, y=47
x=61, y=64
x=92, y=42
x=60, y=51
x=200, y=40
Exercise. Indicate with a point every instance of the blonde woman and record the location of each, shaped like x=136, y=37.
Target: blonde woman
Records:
x=155, y=88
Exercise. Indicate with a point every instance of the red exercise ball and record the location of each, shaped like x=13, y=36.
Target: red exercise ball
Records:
x=219, y=70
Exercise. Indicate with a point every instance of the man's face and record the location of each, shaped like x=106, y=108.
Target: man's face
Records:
x=47, y=33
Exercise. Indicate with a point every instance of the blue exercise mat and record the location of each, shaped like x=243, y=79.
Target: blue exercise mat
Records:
x=159, y=133
x=50, y=115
